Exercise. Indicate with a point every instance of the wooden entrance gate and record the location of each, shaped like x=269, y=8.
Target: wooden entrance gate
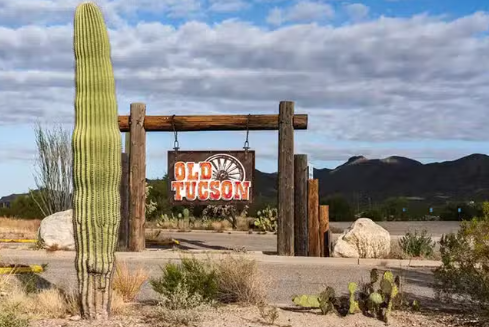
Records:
x=132, y=235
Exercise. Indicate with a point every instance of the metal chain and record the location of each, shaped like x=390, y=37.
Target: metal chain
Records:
x=176, y=145
x=247, y=143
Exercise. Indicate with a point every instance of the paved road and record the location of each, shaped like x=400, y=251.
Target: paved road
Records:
x=205, y=240
x=285, y=276
x=435, y=228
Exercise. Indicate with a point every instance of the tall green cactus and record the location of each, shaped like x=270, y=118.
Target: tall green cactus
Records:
x=96, y=163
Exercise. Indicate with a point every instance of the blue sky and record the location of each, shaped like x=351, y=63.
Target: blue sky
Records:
x=377, y=78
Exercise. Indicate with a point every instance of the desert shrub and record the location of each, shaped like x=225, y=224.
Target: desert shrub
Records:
x=128, y=284
x=185, y=290
x=193, y=277
x=227, y=212
x=31, y=301
x=10, y=318
x=464, y=273
x=238, y=280
x=417, y=245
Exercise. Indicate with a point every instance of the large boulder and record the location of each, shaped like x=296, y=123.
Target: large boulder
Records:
x=57, y=230
x=363, y=239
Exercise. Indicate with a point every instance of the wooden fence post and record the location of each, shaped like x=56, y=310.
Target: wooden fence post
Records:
x=285, y=230
x=137, y=177
x=313, y=218
x=323, y=229
x=124, y=225
x=301, y=243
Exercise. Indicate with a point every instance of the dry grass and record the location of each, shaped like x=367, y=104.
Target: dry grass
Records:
x=239, y=281
x=18, y=228
x=243, y=223
x=126, y=283
x=55, y=247
x=48, y=303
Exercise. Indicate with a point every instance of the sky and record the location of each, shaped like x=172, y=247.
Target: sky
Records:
x=377, y=78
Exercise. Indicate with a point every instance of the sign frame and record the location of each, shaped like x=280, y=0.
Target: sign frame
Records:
x=248, y=165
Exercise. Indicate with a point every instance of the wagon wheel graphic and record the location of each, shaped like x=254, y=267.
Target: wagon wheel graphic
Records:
x=226, y=167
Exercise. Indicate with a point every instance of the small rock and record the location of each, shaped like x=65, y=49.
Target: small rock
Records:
x=75, y=318
x=363, y=239
x=57, y=230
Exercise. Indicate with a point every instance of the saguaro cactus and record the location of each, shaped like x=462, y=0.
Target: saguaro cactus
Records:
x=96, y=163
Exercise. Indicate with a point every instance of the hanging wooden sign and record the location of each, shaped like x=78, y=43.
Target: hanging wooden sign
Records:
x=210, y=177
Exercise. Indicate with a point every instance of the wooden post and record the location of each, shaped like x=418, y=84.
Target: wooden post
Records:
x=301, y=243
x=313, y=217
x=285, y=230
x=323, y=229
x=127, y=143
x=137, y=177
x=124, y=225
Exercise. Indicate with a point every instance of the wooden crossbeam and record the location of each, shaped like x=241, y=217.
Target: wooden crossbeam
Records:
x=213, y=123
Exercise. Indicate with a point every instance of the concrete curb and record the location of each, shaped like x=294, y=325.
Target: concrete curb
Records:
x=256, y=255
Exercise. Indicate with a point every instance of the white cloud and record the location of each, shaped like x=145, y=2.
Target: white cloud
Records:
x=388, y=79
x=302, y=11
x=225, y=6
x=357, y=11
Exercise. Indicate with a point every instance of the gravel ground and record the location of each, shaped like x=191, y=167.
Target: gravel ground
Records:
x=234, y=316
x=284, y=277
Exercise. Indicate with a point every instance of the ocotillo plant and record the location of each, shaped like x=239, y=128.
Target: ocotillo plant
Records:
x=96, y=163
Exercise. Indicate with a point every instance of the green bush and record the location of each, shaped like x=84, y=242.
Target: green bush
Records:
x=464, y=273
x=417, y=245
x=192, y=277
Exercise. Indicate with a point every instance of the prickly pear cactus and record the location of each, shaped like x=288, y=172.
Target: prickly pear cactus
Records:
x=389, y=276
x=96, y=147
x=186, y=213
x=354, y=306
x=327, y=300
x=307, y=301
x=267, y=220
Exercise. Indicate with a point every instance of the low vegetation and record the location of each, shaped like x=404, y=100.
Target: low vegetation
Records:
x=194, y=285
x=18, y=228
x=417, y=245
x=128, y=283
x=463, y=276
x=28, y=297
x=376, y=298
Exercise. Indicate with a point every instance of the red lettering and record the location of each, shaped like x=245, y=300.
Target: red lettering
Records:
x=227, y=190
x=177, y=187
x=190, y=190
x=179, y=171
x=214, y=188
x=192, y=175
x=203, y=193
x=205, y=170
x=242, y=190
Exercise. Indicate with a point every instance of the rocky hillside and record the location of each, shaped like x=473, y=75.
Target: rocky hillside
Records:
x=464, y=179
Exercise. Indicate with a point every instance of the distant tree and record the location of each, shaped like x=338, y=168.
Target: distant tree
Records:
x=159, y=195
x=392, y=208
x=375, y=214
x=339, y=208
x=25, y=207
x=450, y=211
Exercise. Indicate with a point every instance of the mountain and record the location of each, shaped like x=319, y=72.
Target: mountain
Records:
x=378, y=179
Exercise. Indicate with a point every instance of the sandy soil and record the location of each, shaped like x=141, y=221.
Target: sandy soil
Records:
x=234, y=316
